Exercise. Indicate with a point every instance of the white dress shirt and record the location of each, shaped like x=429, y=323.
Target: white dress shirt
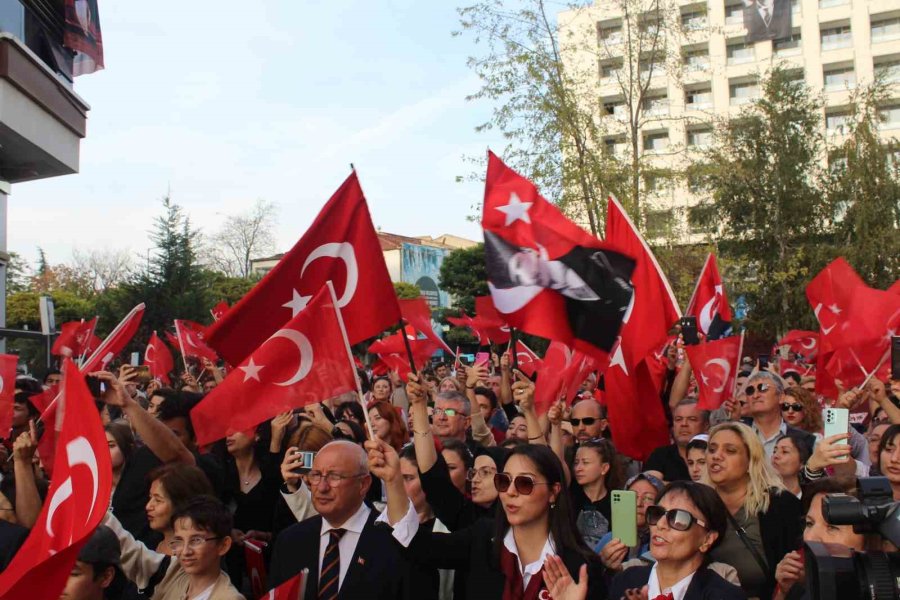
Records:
x=509, y=541
x=347, y=546
x=678, y=590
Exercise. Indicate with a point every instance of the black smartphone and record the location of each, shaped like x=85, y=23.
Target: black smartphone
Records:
x=689, y=331
x=895, y=357
x=763, y=362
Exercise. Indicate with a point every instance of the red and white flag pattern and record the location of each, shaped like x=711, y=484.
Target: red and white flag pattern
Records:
x=8, y=364
x=158, y=357
x=76, y=338
x=709, y=302
x=191, y=340
x=715, y=365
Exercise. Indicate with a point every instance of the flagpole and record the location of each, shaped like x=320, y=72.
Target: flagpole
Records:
x=875, y=370
x=514, y=354
x=409, y=352
x=181, y=348
x=359, y=391
x=737, y=365
x=115, y=330
x=697, y=285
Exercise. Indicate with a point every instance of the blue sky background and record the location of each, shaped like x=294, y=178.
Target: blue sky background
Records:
x=224, y=102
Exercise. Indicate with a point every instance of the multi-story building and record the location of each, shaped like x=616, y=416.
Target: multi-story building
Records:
x=705, y=70
x=42, y=119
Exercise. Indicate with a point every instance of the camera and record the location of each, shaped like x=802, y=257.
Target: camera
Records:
x=836, y=572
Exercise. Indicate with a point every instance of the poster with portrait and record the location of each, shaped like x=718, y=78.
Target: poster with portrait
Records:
x=82, y=34
x=767, y=19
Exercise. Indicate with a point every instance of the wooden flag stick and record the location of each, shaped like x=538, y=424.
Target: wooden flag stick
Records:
x=875, y=370
x=359, y=392
x=409, y=352
x=181, y=349
x=514, y=355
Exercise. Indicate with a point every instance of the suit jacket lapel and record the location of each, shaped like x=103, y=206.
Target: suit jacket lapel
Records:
x=310, y=559
x=698, y=584
x=362, y=555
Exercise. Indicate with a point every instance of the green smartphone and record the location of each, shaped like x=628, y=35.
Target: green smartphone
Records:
x=837, y=420
x=624, y=516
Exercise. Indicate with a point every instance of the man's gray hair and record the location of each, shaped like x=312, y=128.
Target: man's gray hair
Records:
x=776, y=379
x=692, y=401
x=358, y=453
x=454, y=396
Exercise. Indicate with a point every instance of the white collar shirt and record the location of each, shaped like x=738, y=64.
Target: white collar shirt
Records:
x=509, y=541
x=353, y=528
x=678, y=591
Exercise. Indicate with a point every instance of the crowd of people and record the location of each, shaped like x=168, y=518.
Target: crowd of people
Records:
x=450, y=484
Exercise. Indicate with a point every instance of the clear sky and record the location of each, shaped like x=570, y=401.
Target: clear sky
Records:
x=224, y=102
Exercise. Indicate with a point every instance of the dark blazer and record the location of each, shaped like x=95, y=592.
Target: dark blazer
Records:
x=11, y=539
x=453, y=509
x=781, y=529
x=470, y=550
x=706, y=585
x=779, y=27
x=376, y=570
x=667, y=460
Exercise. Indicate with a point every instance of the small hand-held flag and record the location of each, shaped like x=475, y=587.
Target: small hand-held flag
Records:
x=158, y=357
x=715, y=365
x=709, y=303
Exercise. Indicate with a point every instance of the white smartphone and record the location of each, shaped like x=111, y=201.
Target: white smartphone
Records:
x=837, y=420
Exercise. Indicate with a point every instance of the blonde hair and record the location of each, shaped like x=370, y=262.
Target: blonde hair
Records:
x=762, y=475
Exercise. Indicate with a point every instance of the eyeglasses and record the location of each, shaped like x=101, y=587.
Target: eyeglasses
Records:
x=482, y=473
x=678, y=519
x=762, y=387
x=588, y=421
x=450, y=412
x=193, y=543
x=314, y=478
x=524, y=484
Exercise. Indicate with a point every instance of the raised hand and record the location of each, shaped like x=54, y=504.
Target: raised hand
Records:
x=560, y=583
x=789, y=571
x=523, y=391
x=26, y=444
x=829, y=452
x=415, y=392
x=384, y=462
x=292, y=460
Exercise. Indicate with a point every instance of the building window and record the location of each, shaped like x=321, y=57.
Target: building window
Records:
x=609, y=71
x=831, y=3
x=656, y=66
x=701, y=218
x=740, y=53
x=886, y=29
x=614, y=146
x=12, y=18
x=836, y=122
x=734, y=13
x=611, y=34
x=615, y=109
x=694, y=21
x=656, y=142
x=839, y=78
x=836, y=37
x=890, y=116
x=699, y=138
x=696, y=60
x=795, y=7
x=888, y=70
x=789, y=46
x=660, y=222
x=656, y=105
x=742, y=93
x=698, y=99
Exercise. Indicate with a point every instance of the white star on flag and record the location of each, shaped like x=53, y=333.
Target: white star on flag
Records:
x=835, y=309
x=516, y=210
x=251, y=370
x=297, y=303
x=618, y=358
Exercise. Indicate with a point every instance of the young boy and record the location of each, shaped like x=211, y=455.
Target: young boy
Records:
x=94, y=573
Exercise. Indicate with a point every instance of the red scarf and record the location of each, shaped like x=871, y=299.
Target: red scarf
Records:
x=513, y=588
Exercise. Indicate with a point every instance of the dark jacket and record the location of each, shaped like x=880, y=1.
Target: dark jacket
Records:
x=781, y=528
x=779, y=26
x=449, y=505
x=667, y=460
x=470, y=550
x=376, y=569
x=706, y=585
x=11, y=539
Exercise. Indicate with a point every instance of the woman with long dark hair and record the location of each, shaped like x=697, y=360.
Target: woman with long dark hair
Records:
x=503, y=557
x=596, y=470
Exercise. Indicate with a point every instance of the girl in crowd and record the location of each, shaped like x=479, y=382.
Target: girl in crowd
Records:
x=171, y=487
x=381, y=390
x=120, y=440
x=350, y=411
x=348, y=430
x=387, y=424
x=613, y=552
x=800, y=409
x=763, y=519
x=458, y=459
x=450, y=384
x=791, y=453
x=518, y=428
x=873, y=437
x=596, y=470
x=889, y=457
x=696, y=457
x=686, y=523
x=503, y=558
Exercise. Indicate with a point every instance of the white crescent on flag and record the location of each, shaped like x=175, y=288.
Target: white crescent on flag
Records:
x=345, y=252
x=726, y=368
x=306, y=354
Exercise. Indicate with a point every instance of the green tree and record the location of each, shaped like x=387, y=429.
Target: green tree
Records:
x=18, y=274
x=863, y=186
x=406, y=291
x=464, y=276
x=763, y=174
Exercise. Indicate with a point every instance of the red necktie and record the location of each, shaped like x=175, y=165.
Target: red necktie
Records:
x=668, y=596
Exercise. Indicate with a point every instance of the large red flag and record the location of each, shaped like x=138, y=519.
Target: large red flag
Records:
x=191, y=340
x=488, y=324
x=715, y=365
x=547, y=276
x=159, y=359
x=115, y=342
x=557, y=361
x=636, y=417
x=76, y=338
x=391, y=350
x=709, y=302
x=76, y=501
x=340, y=246
x=799, y=341
x=417, y=313
x=304, y=361
x=8, y=364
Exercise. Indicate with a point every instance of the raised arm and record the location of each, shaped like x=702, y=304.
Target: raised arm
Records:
x=681, y=384
x=423, y=440
x=28, y=500
x=523, y=392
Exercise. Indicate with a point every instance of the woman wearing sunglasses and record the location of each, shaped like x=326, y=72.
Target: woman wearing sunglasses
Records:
x=686, y=523
x=763, y=518
x=800, y=409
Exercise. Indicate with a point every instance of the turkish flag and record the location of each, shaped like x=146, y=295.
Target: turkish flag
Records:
x=653, y=309
x=582, y=366
x=76, y=338
x=488, y=324
x=8, y=364
x=159, y=359
x=290, y=589
x=804, y=343
x=635, y=411
x=709, y=302
x=715, y=364
x=527, y=361
x=557, y=361
x=115, y=342
x=303, y=362
x=895, y=288
x=391, y=350
x=417, y=313
x=191, y=339
x=76, y=501
x=218, y=311
x=340, y=246
x=547, y=276
x=256, y=567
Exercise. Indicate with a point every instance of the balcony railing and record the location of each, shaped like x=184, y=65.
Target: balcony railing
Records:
x=39, y=25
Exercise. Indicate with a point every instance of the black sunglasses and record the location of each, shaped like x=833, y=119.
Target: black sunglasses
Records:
x=588, y=421
x=678, y=519
x=524, y=484
x=795, y=407
x=762, y=387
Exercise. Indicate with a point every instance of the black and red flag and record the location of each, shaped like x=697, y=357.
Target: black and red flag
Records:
x=547, y=276
x=709, y=302
x=82, y=34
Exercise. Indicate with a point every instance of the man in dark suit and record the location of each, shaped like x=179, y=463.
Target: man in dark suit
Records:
x=348, y=557
x=767, y=19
